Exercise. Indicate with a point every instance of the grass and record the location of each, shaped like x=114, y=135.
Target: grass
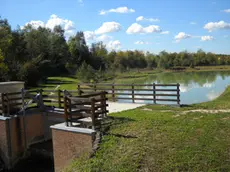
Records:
x=63, y=83
x=161, y=138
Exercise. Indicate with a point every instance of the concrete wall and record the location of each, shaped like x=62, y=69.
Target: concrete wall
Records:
x=12, y=135
x=4, y=144
x=70, y=143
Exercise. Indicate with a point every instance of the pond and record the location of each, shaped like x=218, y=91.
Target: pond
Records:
x=195, y=87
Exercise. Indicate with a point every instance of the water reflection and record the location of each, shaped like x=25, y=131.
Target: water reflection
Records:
x=195, y=87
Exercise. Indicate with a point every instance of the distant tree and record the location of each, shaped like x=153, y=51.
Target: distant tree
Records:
x=78, y=49
x=98, y=53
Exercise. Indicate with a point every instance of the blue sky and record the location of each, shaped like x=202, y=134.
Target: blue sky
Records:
x=149, y=25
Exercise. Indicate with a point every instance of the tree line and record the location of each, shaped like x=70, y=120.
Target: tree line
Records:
x=32, y=55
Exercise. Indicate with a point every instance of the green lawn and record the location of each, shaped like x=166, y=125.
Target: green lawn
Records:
x=163, y=138
x=68, y=83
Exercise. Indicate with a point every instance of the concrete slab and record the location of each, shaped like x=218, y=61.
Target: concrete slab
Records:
x=118, y=107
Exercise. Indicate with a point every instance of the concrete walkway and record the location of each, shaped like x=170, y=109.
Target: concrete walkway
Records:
x=118, y=107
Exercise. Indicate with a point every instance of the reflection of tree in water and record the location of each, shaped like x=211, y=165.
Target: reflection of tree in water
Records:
x=187, y=78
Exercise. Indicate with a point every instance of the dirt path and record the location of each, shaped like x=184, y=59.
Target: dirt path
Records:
x=212, y=111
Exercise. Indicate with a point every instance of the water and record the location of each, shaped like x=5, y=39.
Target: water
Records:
x=195, y=87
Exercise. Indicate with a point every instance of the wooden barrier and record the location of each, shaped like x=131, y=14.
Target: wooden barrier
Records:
x=88, y=105
x=146, y=92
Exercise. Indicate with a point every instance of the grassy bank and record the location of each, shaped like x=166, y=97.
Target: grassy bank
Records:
x=163, y=138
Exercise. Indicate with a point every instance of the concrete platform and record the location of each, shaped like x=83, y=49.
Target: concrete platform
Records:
x=118, y=107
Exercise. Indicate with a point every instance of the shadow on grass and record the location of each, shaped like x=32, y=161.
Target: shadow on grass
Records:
x=55, y=81
x=113, y=122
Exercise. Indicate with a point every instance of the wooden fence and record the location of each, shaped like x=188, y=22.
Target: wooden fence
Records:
x=144, y=92
x=78, y=108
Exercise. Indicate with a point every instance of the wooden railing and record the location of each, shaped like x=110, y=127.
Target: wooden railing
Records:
x=77, y=108
x=136, y=92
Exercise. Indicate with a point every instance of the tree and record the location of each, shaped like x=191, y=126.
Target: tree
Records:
x=78, y=49
x=5, y=36
x=98, y=53
x=3, y=68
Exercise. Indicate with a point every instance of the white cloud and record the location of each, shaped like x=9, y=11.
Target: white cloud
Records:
x=117, y=10
x=114, y=45
x=212, y=95
x=193, y=23
x=208, y=85
x=227, y=11
x=89, y=35
x=211, y=26
x=35, y=24
x=81, y=2
x=136, y=28
x=181, y=36
x=104, y=38
x=165, y=32
x=64, y=23
x=207, y=38
x=53, y=21
x=141, y=18
x=141, y=43
x=108, y=27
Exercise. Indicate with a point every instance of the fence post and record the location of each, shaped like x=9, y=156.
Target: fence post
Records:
x=70, y=114
x=41, y=98
x=8, y=104
x=93, y=113
x=104, y=103
x=154, y=93
x=178, y=93
x=3, y=104
x=65, y=109
x=59, y=98
x=113, y=95
x=95, y=87
x=133, y=93
x=79, y=89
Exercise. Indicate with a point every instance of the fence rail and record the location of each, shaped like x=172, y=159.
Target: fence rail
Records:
x=146, y=92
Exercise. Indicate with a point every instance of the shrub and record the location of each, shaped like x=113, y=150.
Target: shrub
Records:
x=30, y=74
x=86, y=73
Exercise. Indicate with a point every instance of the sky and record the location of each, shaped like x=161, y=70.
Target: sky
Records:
x=148, y=25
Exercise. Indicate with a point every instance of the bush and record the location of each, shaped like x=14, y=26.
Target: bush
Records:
x=29, y=74
x=86, y=73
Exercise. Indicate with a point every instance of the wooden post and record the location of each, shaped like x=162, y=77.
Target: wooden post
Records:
x=133, y=93
x=95, y=87
x=8, y=104
x=69, y=113
x=3, y=104
x=41, y=99
x=59, y=98
x=65, y=109
x=104, y=103
x=154, y=93
x=93, y=113
x=113, y=95
x=79, y=89
x=178, y=93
